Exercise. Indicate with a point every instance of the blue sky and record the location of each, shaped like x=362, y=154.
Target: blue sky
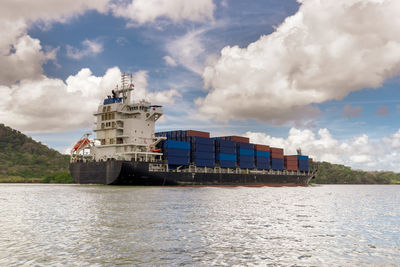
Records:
x=323, y=76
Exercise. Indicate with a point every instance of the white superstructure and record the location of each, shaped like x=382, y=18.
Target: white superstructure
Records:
x=124, y=130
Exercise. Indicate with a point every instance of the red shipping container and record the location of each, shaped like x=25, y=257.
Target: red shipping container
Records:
x=239, y=139
x=276, y=153
x=291, y=163
x=197, y=133
x=262, y=148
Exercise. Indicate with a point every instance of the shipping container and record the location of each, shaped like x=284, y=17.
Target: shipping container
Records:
x=178, y=161
x=277, y=164
x=170, y=152
x=225, y=157
x=302, y=157
x=262, y=148
x=245, y=146
x=190, y=133
x=226, y=150
x=227, y=164
x=263, y=165
x=276, y=152
x=263, y=154
x=246, y=152
x=235, y=138
x=176, y=144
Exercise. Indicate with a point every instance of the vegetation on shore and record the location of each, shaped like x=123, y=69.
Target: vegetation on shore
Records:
x=339, y=174
x=24, y=160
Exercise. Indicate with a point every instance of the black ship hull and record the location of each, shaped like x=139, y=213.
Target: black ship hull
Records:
x=116, y=172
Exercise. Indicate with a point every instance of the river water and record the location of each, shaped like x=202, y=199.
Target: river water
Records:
x=77, y=225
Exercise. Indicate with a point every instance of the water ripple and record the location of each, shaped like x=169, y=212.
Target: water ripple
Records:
x=76, y=225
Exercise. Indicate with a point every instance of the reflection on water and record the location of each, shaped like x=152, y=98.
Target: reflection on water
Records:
x=106, y=225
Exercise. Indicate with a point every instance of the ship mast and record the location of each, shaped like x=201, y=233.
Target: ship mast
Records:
x=126, y=88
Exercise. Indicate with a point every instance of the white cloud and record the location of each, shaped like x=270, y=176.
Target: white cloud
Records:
x=22, y=54
x=90, y=48
x=170, y=61
x=358, y=152
x=323, y=52
x=51, y=105
x=160, y=97
x=189, y=51
x=145, y=11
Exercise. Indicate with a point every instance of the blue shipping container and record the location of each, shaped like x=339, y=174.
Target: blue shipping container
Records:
x=203, y=155
x=201, y=140
x=247, y=152
x=263, y=165
x=226, y=150
x=245, y=146
x=228, y=157
x=265, y=154
x=227, y=164
x=178, y=161
x=302, y=157
x=176, y=144
x=277, y=164
x=245, y=158
x=261, y=159
x=203, y=147
x=205, y=163
x=246, y=165
x=170, y=152
x=224, y=143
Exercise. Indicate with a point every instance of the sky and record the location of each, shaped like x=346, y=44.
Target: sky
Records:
x=319, y=75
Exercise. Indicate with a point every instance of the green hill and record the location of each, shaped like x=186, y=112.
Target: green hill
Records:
x=22, y=159
x=339, y=174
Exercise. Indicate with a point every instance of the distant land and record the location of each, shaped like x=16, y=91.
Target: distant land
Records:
x=24, y=160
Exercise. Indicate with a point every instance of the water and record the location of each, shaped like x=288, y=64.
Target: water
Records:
x=75, y=225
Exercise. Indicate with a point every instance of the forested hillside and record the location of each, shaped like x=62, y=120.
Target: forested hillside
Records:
x=22, y=158
x=339, y=174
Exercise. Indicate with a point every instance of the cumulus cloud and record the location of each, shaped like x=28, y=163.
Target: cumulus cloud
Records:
x=323, y=52
x=51, y=105
x=22, y=54
x=145, y=11
x=160, y=97
x=170, y=61
x=90, y=48
x=359, y=152
x=189, y=50
x=351, y=112
x=382, y=111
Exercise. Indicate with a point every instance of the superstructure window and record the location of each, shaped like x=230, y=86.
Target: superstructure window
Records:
x=108, y=108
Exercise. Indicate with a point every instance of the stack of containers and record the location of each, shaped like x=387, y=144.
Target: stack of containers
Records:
x=291, y=163
x=262, y=157
x=245, y=155
x=190, y=133
x=176, y=152
x=303, y=163
x=277, y=158
x=202, y=151
x=225, y=153
x=234, y=138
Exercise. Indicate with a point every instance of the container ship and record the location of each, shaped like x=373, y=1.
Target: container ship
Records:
x=126, y=150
